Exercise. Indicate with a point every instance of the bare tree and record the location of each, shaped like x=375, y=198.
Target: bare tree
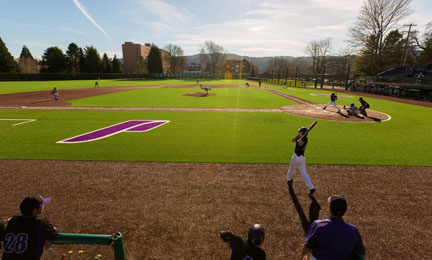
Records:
x=212, y=55
x=339, y=64
x=376, y=19
x=318, y=50
x=176, y=58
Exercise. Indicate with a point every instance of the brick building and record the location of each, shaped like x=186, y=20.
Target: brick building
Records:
x=237, y=66
x=131, y=52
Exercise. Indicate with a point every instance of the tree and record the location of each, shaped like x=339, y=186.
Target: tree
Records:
x=375, y=21
x=73, y=54
x=318, y=50
x=82, y=61
x=425, y=56
x=339, y=64
x=54, y=61
x=7, y=63
x=116, y=65
x=393, y=51
x=93, y=60
x=213, y=56
x=106, y=64
x=176, y=58
x=25, y=53
x=154, y=60
x=141, y=65
x=26, y=62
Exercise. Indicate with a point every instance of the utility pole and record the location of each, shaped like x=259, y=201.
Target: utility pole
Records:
x=406, y=43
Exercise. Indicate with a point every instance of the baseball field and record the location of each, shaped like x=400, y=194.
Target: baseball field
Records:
x=171, y=167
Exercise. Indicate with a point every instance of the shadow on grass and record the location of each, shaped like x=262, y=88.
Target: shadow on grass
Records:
x=314, y=209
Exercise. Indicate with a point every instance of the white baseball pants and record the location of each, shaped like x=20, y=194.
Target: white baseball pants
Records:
x=333, y=103
x=300, y=163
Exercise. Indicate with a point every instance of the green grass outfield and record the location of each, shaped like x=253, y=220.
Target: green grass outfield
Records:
x=27, y=86
x=173, y=97
x=238, y=137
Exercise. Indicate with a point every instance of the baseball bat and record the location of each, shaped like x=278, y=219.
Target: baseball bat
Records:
x=308, y=130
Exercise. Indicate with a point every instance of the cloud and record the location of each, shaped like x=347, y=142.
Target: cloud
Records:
x=71, y=30
x=166, y=17
x=88, y=16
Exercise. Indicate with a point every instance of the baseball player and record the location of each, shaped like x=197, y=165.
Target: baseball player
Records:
x=333, y=99
x=298, y=160
x=363, y=107
x=55, y=93
x=27, y=234
x=242, y=249
x=352, y=110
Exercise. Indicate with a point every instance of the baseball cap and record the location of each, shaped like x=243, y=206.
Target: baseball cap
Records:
x=302, y=129
x=338, y=205
x=33, y=202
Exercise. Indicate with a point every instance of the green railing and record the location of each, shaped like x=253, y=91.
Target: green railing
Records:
x=90, y=239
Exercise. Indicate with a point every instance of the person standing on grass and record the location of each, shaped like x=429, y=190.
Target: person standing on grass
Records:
x=333, y=238
x=26, y=235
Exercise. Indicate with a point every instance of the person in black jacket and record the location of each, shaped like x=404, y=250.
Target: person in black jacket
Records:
x=27, y=234
x=242, y=249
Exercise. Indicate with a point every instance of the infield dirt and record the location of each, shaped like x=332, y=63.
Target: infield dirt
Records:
x=176, y=210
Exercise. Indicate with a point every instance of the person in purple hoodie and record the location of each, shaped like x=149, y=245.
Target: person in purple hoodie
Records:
x=333, y=238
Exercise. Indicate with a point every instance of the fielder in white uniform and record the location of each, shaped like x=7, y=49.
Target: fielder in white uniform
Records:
x=332, y=101
x=298, y=160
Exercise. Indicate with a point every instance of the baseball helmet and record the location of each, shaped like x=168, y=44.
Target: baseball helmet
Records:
x=360, y=98
x=302, y=129
x=256, y=234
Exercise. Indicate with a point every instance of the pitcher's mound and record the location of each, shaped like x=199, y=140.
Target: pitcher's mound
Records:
x=198, y=94
x=331, y=113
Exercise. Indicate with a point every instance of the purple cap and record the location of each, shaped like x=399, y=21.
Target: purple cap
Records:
x=45, y=201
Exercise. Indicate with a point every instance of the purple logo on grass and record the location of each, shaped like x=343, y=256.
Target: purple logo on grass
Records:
x=126, y=126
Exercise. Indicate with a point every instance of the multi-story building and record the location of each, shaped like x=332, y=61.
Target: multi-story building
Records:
x=131, y=52
x=237, y=66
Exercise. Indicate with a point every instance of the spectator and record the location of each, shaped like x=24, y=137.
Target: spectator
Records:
x=27, y=234
x=333, y=238
x=249, y=249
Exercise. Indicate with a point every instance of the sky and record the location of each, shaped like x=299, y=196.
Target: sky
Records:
x=257, y=28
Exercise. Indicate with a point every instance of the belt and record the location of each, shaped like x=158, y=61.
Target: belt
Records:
x=299, y=154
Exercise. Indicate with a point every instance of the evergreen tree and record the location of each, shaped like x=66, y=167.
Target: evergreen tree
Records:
x=393, y=51
x=73, y=57
x=117, y=67
x=26, y=62
x=425, y=56
x=106, y=64
x=54, y=61
x=82, y=61
x=7, y=63
x=25, y=53
x=93, y=60
x=154, y=60
x=141, y=65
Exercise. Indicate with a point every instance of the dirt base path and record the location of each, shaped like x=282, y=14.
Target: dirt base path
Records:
x=43, y=100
